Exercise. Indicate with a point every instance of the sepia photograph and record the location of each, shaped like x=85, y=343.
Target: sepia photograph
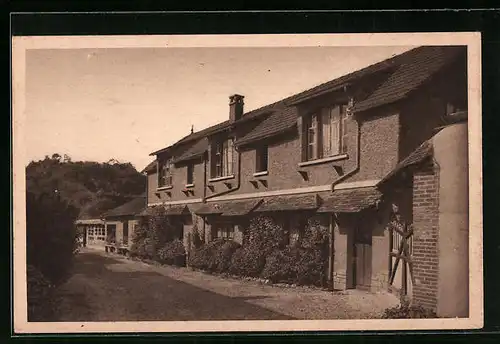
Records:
x=247, y=182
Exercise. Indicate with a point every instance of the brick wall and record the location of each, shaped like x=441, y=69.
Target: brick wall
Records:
x=425, y=241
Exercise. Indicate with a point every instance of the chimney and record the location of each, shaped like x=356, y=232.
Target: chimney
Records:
x=235, y=107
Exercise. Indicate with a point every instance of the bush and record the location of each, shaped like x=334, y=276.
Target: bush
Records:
x=39, y=295
x=173, y=253
x=295, y=265
x=151, y=235
x=406, y=311
x=51, y=236
x=247, y=261
x=280, y=266
x=223, y=254
x=214, y=256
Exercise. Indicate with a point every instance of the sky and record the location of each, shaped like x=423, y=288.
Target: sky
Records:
x=124, y=103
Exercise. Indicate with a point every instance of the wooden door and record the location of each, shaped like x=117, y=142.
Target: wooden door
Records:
x=363, y=260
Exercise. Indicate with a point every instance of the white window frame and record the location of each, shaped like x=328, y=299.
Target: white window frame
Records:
x=165, y=173
x=223, y=158
x=325, y=132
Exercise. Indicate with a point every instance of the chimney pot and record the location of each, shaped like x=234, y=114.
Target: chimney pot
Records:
x=235, y=107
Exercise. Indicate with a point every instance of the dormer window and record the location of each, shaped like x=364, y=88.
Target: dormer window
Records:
x=325, y=132
x=222, y=158
x=165, y=173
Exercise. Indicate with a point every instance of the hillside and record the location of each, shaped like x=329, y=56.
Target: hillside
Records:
x=91, y=187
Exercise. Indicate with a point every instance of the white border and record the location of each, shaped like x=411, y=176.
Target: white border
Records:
x=471, y=39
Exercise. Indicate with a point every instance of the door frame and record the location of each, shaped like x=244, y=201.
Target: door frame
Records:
x=360, y=225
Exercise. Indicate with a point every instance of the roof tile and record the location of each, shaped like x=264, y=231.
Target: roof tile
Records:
x=350, y=201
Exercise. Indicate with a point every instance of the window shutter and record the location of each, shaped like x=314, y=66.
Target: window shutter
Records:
x=335, y=130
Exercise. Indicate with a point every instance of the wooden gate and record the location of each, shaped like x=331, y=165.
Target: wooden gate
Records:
x=403, y=234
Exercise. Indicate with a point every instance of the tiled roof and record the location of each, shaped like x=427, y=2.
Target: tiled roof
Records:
x=176, y=209
x=418, y=155
x=276, y=123
x=350, y=201
x=197, y=149
x=151, y=167
x=406, y=72
x=236, y=208
x=409, y=75
x=132, y=207
x=289, y=203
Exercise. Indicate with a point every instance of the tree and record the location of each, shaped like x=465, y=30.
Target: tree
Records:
x=50, y=235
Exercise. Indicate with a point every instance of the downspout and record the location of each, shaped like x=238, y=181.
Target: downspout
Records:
x=356, y=168
x=337, y=181
x=238, y=178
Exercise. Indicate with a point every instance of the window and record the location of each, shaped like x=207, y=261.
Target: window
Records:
x=222, y=159
x=261, y=159
x=325, y=133
x=190, y=174
x=225, y=231
x=165, y=173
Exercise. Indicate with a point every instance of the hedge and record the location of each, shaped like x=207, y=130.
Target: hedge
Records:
x=173, y=253
x=214, y=256
x=265, y=254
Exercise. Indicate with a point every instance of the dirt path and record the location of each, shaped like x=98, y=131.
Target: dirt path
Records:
x=109, y=288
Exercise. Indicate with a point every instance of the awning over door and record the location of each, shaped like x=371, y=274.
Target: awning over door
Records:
x=350, y=201
x=229, y=208
x=289, y=203
x=176, y=209
x=171, y=210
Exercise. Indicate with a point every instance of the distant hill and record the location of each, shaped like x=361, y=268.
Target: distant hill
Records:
x=91, y=187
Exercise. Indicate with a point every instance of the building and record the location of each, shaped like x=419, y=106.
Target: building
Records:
x=378, y=156
x=113, y=229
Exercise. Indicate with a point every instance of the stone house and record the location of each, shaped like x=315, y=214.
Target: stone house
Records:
x=378, y=156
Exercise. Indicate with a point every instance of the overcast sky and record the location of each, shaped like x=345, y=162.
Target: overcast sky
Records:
x=126, y=103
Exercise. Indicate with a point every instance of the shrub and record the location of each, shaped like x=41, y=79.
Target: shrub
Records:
x=173, y=253
x=407, y=311
x=152, y=234
x=51, y=235
x=295, y=265
x=280, y=266
x=223, y=254
x=203, y=258
x=247, y=261
x=39, y=295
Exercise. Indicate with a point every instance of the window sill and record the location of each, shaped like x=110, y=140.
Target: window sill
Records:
x=260, y=174
x=324, y=160
x=218, y=179
x=188, y=186
x=168, y=187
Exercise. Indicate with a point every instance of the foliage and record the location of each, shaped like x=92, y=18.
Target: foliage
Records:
x=39, y=295
x=90, y=187
x=173, y=253
x=154, y=238
x=262, y=236
x=407, y=311
x=295, y=265
x=51, y=235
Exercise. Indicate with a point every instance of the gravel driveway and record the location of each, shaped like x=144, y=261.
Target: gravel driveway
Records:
x=112, y=288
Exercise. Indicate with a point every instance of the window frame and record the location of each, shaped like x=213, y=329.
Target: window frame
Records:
x=165, y=175
x=315, y=124
x=222, y=163
x=190, y=174
x=262, y=159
